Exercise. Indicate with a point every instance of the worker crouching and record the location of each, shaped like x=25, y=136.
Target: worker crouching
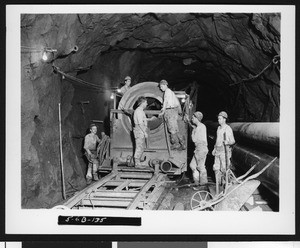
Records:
x=90, y=147
x=170, y=111
x=199, y=137
x=222, y=148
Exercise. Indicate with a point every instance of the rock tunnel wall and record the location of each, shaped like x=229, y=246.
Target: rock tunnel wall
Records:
x=222, y=53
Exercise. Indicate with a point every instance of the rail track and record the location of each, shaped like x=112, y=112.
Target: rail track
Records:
x=124, y=188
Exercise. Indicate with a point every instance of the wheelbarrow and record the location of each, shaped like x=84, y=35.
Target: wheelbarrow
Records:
x=236, y=192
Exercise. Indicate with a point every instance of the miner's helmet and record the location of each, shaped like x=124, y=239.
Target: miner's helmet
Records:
x=198, y=115
x=93, y=125
x=223, y=114
x=127, y=78
x=163, y=82
x=140, y=100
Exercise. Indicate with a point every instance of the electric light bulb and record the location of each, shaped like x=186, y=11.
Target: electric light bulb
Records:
x=118, y=90
x=182, y=100
x=112, y=96
x=45, y=57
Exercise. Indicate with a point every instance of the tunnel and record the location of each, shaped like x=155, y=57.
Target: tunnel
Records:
x=225, y=61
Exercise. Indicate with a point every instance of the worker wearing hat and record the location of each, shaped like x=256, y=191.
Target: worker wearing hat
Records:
x=225, y=139
x=199, y=137
x=170, y=110
x=140, y=129
x=127, y=82
x=90, y=147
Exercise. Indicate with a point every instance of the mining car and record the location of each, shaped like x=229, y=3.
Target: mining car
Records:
x=157, y=154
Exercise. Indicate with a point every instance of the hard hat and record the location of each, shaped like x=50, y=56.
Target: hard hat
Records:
x=163, y=82
x=127, y=78
x=198, y=115
x=223, y=114
x=93, y=125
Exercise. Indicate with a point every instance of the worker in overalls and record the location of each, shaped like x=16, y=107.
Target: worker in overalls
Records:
x=170, y=111
x=127, y=82
x=199, y=137
x=140, y=129
x=90, y=146
x=222, y=148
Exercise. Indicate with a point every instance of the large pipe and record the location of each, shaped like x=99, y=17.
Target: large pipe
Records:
x=263, y=134
x=244, y=158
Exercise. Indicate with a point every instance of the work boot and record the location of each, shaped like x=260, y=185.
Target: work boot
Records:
x=175, y=146
x=203, y=178
x=181, y=141
x=95, y=177
x=137, y=162
x=88, y=180
x=174, y=138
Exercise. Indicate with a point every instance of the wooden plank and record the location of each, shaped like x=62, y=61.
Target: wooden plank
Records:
x=107, y=203
x=156, y=193
x=123, y=185
x=76, y=198
x=102, y=208
x=142, y=192
x=135, y=183
x=135, y=175
x=153, y=197
x=110, y=193
x=133, y=169
x=98, y=199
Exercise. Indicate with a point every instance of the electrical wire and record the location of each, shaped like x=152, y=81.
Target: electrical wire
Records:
x=274, y=61
x=79, y=80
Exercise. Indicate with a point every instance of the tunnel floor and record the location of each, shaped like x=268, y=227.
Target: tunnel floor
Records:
x=178, y=191
x=178, y=195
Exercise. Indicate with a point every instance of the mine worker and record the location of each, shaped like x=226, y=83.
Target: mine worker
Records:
x=222, y=148
x=199, y=137
x=140, y=129
x=90, y=147
x=170, y=111
x=127, y=82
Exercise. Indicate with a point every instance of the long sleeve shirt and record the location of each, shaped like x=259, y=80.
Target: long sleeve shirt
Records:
x=220, y=135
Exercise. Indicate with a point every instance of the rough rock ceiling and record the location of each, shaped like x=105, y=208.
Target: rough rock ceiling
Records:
x=213, y=39
x=216, y=49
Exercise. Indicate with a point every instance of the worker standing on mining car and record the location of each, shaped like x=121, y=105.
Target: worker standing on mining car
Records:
x=222, y=148
x=140, y=129
x=170, y=111
x=127, y=82
x=90, y=147
x=199, y=137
